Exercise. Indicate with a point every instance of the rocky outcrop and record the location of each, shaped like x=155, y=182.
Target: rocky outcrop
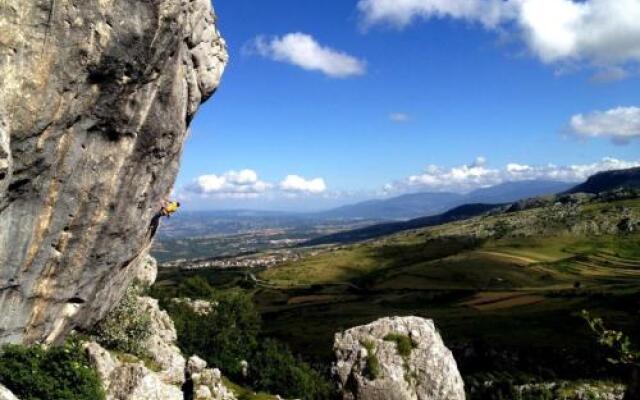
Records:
x=165, y=375
x=198, y=306
x=206, y=383
x=161, y=343
x=5, y=394
x=129, y=379
x=398, y=358
x=96, y=97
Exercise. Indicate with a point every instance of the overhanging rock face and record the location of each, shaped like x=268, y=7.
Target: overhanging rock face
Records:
x=95, y=100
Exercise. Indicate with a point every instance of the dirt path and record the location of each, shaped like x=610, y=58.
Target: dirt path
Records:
x=522, y=259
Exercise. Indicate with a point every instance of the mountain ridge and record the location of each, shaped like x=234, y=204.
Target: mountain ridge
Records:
x=598, y=183
x=415, y=205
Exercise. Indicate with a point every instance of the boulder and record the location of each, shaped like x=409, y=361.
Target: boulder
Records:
x=147, y=272
x=97, y=96
x=398, y=358
x=5, y=394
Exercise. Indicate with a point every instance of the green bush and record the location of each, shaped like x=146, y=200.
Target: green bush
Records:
x=57, y=373
x=224, y=337
x=275, y=369
x=126, y=327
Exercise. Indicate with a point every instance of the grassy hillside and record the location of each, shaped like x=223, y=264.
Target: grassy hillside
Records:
x=506, y=290
x=513, y=281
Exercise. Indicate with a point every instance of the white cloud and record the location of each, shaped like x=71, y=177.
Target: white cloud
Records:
x=238, y=184
x=621, y=124
x=245, y=184
x=401, y=13
x=298, y=184
x=399, y=117
x=604, y=33
x=476, y=175
x=304, y=51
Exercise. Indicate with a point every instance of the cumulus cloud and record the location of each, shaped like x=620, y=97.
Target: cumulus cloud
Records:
x=246, y=184
x=476, y=175
x=305, y=52
x=620, y=124
x=399, y=117
x=298, y=184
x=603, y=32
x=243, y=183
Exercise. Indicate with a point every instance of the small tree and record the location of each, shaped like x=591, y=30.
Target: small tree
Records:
x=126, y=327
x=622, y=347
x=274, y=368
x=225, y=336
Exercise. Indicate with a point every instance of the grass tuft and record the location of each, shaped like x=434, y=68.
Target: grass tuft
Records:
x=372, y=368
x=404, y=344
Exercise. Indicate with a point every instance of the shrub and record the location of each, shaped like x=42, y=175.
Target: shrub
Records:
x=275, y=369
x=372, y=366
x=60, y=373
x=126, y=327
x=404, y=344
x=224, y=337
x=195, y=287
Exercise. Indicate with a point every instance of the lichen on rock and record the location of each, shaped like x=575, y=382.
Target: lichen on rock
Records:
x=95, y=101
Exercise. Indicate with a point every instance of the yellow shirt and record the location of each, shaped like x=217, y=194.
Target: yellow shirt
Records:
x=172, y=207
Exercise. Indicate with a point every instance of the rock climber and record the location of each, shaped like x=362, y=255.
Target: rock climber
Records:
x=168, y=208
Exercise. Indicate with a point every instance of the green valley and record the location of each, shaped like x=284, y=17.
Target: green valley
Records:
x=505, y=289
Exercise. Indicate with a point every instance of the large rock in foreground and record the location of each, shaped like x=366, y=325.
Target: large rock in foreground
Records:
x=397, y=358
x=5, y=394
x=95, y=100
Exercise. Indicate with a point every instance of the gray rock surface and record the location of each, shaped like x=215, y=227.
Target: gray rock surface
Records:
x=207, y=382
x=129, y=380
x=429, y=372
x=200, y=307
x=161, y=343
x=95, y=100
x=147, y=271
x=5, y=394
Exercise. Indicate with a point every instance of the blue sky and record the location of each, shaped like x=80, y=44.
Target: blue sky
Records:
x=356, y=99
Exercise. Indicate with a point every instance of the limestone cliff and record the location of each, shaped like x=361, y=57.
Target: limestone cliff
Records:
x=95, y=100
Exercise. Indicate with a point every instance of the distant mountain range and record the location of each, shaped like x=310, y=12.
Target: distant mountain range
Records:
x=378, y=230
x=501, y=196
x=424, y=204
